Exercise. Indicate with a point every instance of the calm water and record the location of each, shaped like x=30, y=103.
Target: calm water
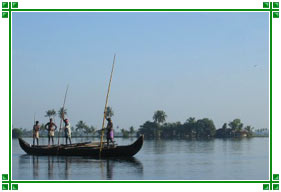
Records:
x=218, y=159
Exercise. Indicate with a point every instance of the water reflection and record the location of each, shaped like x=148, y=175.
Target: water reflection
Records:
x=35, y=165
x=108, y=166
x=68, y=167
x=218, y=159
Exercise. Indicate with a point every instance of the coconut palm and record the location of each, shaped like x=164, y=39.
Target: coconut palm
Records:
x=109, y=112
x=62, y=112
x=51, y=113
x=191, y=120
x=249, y=130
x=80, y=125
x=132, y=130
x=159, y=116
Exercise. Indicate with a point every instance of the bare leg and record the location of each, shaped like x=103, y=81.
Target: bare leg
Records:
x=33, y=140
x=112, y=141
x=37, y=139
x=49, y=139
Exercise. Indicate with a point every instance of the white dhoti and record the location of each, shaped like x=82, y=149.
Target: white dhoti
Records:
x=51, y=133
x=36, y=134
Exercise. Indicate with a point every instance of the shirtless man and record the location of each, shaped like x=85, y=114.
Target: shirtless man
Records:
x=51, y=130
x=36, y=128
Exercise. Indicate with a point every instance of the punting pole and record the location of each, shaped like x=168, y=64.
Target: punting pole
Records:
x=106, y=101
x=34, y=118
x=62, y=113
x=33, y=131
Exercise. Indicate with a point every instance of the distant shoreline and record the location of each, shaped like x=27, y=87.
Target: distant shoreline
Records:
x=199, y=139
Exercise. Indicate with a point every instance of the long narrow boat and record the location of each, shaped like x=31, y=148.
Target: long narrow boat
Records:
x=83, y=149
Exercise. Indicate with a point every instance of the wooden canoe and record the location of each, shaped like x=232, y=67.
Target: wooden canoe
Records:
x=83, y=149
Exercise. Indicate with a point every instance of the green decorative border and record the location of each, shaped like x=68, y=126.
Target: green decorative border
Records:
x=9, y=7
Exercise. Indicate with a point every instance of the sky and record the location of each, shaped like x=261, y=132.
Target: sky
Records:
x=189, y=64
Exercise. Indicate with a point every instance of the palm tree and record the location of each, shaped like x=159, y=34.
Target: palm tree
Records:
x=125, y=133
x=81, y=126
x=109, y=112
x=132, y=131
x=42, y=127
x=190, y=126
x=62, y=112
x=51, y=113
x=191, y=120
x=92, y=129
x=224, y=127
x=86, y=129
x=249, y=130
x=159, y=116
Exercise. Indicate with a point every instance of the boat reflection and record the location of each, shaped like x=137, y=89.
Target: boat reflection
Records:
x=71, y=167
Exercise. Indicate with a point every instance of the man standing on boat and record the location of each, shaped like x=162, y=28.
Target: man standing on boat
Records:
x=36, y=129
x=109, y=134
x=51, y=130
x=67, y=131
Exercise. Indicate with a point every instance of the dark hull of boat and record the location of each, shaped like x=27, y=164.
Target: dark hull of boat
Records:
x=82, y=149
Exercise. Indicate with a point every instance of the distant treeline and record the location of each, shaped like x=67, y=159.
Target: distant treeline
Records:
x=158, y=128
x=192, y=128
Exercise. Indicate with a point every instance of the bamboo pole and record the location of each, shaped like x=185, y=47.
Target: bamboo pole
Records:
x=34, y=118
x=33, y=131
x=62, y=113
x=106, y=101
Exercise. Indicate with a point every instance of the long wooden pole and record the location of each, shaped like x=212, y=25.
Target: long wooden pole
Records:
x=34, y=118
x=105, y=107
x=33, y=131
x=62, y=113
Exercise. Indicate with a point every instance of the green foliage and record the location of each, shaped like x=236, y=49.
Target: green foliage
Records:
x=81, y=126
x=50, y=113
x=205, y=128
x=192, y=128
x=236, y=130
x=224, y=126
x=72, y=128
x=42, y=127
x=90, y=130
x=224, y=132
x=148, y=129
x=236, y=125
x=249, y=130
x=132, y=130
x=16, y=133
x=191, y=120
x=125, y=133
x=159, y=116
x=109, y=112
x=62, y=112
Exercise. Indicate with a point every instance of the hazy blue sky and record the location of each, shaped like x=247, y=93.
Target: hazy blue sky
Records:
x=212, y=65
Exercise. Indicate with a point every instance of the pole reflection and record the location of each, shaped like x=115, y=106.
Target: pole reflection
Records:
x=35, y=165
x=50, y=167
